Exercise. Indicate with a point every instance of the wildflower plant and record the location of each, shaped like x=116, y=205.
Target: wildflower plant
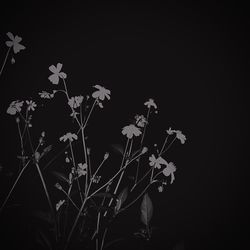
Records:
x=88, y=202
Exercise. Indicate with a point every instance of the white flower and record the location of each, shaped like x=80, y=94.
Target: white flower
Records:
x=170, y=131
x=15, y=42
x=160, y=189
x=157, y=162
x=59, y=204
x=101, y=93
x=150, y=103
x=31, y=105
x=54, y=78
x=46, y=95
x=140, y=121
x=69, y=136
x=169, y=170
x=180, y=136
x=130, y=131
x=14, y=107
x=81, y=169
x=75, y=102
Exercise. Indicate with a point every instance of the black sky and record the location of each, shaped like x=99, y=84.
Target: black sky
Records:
x=193, y=59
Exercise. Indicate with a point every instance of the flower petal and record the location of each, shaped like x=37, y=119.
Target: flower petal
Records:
x=10, y=35
x=53, y=69
x=59, y=67
x=54, y=79
x=9, y=43
x=17, y=47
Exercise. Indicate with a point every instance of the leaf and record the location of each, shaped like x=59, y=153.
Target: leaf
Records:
x=146, y=209
x=121, y=198
x=118, y=148
x=47, y=217
x=43, y=240
x=105, y=194
x=60, y=176
x=46, y=150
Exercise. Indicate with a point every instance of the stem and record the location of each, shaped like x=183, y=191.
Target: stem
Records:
x=5, y=59
x=164, y=144
x=48, y=197
x=91, y=110
x=142, y=139
x=168, y=146
x=103, y=237
x=118, y=183
x=17, y=179
x=74, y=164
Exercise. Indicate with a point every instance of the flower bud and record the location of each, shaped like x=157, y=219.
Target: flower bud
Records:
x=144, y=150
x=58, y=186
x=106, y=156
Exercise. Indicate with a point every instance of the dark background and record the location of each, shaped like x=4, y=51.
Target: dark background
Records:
x=191, y=58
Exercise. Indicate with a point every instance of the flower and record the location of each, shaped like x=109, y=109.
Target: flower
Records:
x=178, y=133
x=160, y=189
x=15, y=42
x=14, y=107
x=75, y=102
x=150, y=103
x=130, y=131
x=140, y=121
x=170, y=131
x=54, y=78
x=69, y=136
x=31, y=105
x=157, y=162
x=180, y=136
x=81, y=169
x=59, y=204
x=46, y=95
x=101, y=93
x=96, y=179
x=169, y=170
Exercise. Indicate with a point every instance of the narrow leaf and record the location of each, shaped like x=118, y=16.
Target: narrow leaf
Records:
x=104, y=194
x=121, y=198
x=146, y=209
x=60, y=176
x=118, y=148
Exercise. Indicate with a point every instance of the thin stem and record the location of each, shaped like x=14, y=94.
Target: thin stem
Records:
x=141, y=143
x=90, y=112
x=103, y=237
x=74, y=164
x=17, y=179
x=48, y=197
x=164, y=144
x=168, y=146
x=70, y=199
x=5, y=59
x=138, y=197
x=118, y=183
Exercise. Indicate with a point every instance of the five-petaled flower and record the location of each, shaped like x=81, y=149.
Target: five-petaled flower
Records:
x=169, y=170
x=69, y=136
x=75, y=102
x=157, y=162
x=150, y=103
x=130, y=131
x=54, y=78
x=31, y=105
x=101, y=93
x=178, y=133
x=14, y=107
x=81, y=169
x=15, y=42
x=59, y=204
